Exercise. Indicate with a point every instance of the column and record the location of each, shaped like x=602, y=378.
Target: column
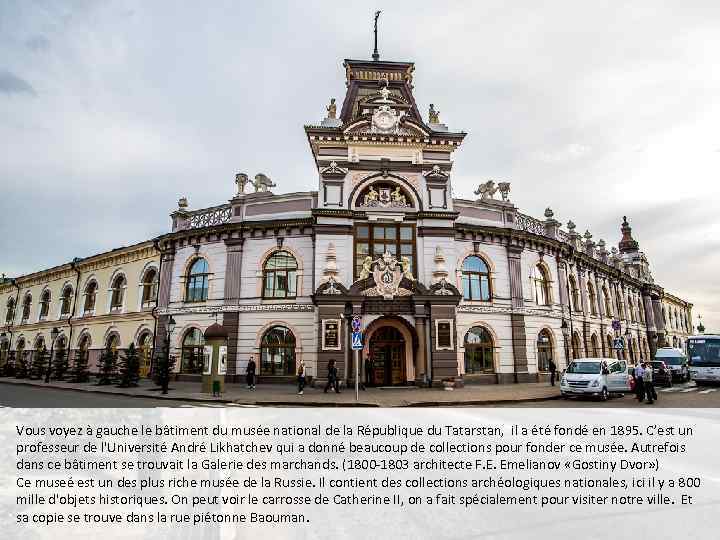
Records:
x=420, y=362
x=517, y=318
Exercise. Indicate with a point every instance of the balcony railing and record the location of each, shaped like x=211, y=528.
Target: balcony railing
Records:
x=207, y=217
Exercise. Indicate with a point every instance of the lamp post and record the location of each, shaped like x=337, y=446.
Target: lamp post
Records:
x=165, y=368
x=54, y=333
x=566, y=334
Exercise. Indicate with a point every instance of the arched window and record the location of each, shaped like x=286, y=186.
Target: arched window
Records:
x=544, y=350
x=619, y=305
x=641, y=309
x=608, y=303
x=4, y=351
x=83, y=354
x=280, y=276
x=44, y=305
x=27, y=303
x=90, y=296
x=479, y=351
x=631, y=309
x=145, y=347
x=20, y=351
x=196, y=289
x=592, y=298
x=597, y=352
x=192, y=351
x=277, y=352
x=575, y=295
x=577, y=348
x=118, y=293
x=66, y=301
x=476, y=279
x=609, y=341
x=60, y=346
x=10, y=313
x=542, y=285
x=149, y=287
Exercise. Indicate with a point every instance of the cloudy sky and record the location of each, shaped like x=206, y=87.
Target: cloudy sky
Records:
x=111, y=110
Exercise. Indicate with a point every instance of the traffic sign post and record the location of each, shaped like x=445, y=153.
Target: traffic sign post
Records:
x=357, y=345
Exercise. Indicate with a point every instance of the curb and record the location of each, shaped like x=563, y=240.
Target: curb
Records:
x=330, y=404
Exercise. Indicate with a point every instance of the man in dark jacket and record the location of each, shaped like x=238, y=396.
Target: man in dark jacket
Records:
x=332, y=377
x=553, y=369
x=251, y=373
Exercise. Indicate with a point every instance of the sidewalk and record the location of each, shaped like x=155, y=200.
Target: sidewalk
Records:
x=286, y=395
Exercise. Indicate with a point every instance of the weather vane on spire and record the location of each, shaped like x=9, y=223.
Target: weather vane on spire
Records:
x=376, y=54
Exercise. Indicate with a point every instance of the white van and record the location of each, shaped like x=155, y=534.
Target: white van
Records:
x=598, y=377
x=676, y=361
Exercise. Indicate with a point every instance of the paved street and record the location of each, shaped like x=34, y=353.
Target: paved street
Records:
x=16, y=395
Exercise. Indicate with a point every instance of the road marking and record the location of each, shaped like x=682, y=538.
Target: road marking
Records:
x=673, y=389
x=693, y=389
x=708, y=391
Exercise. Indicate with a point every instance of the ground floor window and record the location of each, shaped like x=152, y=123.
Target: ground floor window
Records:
x=277, y=352
x=192, y=352
x=145, y=353
x=577, y=348
x=479, y=351
x=545, y=350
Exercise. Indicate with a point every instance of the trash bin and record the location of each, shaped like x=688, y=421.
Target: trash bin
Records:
x=216, y=388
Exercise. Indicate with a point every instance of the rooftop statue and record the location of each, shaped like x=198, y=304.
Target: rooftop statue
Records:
x=486, y=190
x=332, y=109
x=433, y=115
x=262, y=183
x=241, y=179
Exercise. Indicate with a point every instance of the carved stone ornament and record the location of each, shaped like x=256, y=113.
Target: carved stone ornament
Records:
x=387, y=273
x=486, y=190
x=444, y=290
x=504, y=188
x=241, y=179
x=386, y=120
x=436, y=174
x=262, y=183
x=384, y=197
x=333, y=171
x=433, y=115
x=332, y=287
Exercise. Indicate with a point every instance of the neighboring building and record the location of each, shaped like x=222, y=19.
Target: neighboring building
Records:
x=447, y=289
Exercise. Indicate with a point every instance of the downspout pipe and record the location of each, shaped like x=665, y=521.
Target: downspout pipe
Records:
x=15, y=310
x=156, y=245
x=74, y=266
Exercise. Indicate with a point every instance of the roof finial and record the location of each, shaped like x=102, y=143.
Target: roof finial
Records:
x=376, y=54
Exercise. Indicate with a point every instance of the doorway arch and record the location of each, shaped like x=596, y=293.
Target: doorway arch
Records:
x=389, y=353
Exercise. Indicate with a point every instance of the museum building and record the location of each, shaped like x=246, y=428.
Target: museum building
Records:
x=447, y=290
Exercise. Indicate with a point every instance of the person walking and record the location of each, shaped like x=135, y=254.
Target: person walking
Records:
x=332, y=377
x=250, y=373
x=649, y=384
x=301, y=377
x=639, y=385
x=553, y=369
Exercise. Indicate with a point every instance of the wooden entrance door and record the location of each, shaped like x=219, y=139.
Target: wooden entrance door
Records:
x=386, y=364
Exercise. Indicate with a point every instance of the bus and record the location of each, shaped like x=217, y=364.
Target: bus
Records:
x=704, y=358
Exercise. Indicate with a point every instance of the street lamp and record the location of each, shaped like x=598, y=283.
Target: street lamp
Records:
x=566, y=335
x=165, y=367
x=54, y=333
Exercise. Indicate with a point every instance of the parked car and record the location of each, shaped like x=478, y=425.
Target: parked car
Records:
x=676, y=361
x=631, y=377
x=661, y=374
x=595, y=377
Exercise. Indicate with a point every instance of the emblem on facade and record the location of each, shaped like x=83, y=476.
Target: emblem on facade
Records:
x=387, y=272
x=444, y=290
x=385, y=197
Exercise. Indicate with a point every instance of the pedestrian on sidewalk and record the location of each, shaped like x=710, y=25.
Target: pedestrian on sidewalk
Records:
x=639, y=385
x=649, y=384
x=332, y=377
x=301, y=377
x=553, y=369
x=251, y=367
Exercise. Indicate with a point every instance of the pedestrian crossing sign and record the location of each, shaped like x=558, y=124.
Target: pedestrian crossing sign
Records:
x=357, y=343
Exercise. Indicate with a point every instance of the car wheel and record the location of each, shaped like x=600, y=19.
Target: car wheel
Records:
x=604, y=395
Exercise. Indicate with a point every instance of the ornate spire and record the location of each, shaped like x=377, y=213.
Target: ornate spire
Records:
x=376, y=54
x=627, y=244
x=331, y=270
x=440, y=273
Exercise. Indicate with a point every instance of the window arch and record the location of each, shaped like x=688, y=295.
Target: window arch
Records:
x=27, y=304
x=576, y=346
x=44, y=305
x=609, y=342
x=608, y=303
x=277, y=352
x=10, y=313
x=619, y=303
x=542, y=285
x=20, y=349
x=641, y=309
x=90, y=297
x=83, y=352
x=544, y=350
x=479, y=349
x=149, y=287
x=196, y=288
x=117, y=292
x=575, y=295
x=631, y=308
x=192, y=351
x=476, y=279
x=595, y=343
x=280, y=275
x=66, y=300
x=112, y=344
x=592, y=298
x=4, y=351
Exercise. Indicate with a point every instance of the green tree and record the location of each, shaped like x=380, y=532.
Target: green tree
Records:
x=80, y=372
x=22, y=366
x=129, y=367
x=60, y=364
x=9, y=368
x=164, y=363
x=108, y=367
